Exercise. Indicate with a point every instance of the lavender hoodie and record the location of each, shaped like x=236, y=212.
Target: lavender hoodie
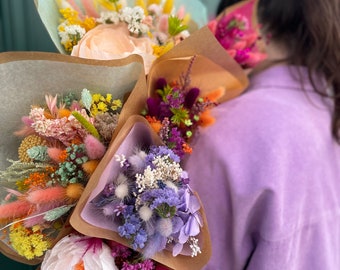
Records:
x=268, y=174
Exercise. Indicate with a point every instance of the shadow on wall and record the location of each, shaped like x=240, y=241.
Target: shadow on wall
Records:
x=21, y=28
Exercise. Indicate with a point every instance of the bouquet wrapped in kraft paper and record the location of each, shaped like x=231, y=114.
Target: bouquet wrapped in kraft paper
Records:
x=238, y=31
x=111, y=29
x=43, y=148
x=132, y=198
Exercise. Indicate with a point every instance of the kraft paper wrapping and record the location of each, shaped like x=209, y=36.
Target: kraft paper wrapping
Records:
x=212, y=68
x=87, y=219
x=27, y=76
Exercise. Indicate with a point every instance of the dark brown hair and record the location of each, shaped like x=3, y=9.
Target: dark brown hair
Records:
x=310, y=31
x=224, y=4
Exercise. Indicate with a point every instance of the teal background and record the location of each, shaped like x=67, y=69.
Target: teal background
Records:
x=22, y=30
x=7, y=264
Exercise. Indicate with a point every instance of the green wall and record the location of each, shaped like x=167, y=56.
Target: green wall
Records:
x=21, y=28
x=7, y=264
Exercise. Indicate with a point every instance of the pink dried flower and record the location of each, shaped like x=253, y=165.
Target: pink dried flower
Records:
x=62, y=129
x=94, y=148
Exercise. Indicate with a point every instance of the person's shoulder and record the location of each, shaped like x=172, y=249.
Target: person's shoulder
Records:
x=259, y=110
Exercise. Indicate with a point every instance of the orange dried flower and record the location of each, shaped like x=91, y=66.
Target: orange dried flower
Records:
x=74, y=191
x=90, y=166
x=186, y=148
x=63, y=113
x=36, y=180
x=206, y=119
x=62, y=155
x=214, y=95
x=154, y=123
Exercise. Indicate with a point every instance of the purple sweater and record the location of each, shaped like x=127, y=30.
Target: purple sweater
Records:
x=268, y=174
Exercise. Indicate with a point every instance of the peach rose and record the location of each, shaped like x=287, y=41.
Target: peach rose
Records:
x=113, y=41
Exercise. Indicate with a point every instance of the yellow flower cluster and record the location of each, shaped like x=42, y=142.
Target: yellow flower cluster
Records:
x=72, y=18
x=112, y=5
x=159, y=50
x=29, y=243
x=102, y=104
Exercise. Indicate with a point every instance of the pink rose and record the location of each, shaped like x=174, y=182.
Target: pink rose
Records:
x=113, y=41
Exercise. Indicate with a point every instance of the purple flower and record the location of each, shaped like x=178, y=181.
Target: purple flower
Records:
x=153, y=106
x=127, y=230
x=164, y=110
x=165, y=201
x=192, y=220
x=176, y=99
x=156, y=243
x=105, y=197
x=185, y=178
x=132, y=228
x=160, y=83
x=140, y=239
x=109, y=190
x=145, y=265
x=191, y=97
x=176, y=141
x=119, y=209
x=119, y=250
x=162, y=151
x=164, y=132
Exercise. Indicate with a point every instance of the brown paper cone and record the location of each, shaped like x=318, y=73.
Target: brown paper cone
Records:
x=27, y=76
x=212, y=68
x=96, y=227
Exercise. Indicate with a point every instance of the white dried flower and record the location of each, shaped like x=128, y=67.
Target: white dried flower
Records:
x=107, y=17
x=145, y=213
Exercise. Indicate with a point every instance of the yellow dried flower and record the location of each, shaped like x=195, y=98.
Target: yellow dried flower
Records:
x=89, y=23
x=102, y=107
x=28, y=243
x=27, y=143
x=110, y=5
x=159, y=50
x=157, y=2
x=70, y=15
x=116, y=104
x=96, y=98
x=142, y=4
x=102, y=104
x=168, y=6
x=108, y=97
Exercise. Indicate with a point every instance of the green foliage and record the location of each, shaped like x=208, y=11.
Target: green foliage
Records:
x=86, y=124
x=175, y=26
x=180, y=115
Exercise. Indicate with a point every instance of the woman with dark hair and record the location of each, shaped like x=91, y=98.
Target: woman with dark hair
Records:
x=268, y=170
